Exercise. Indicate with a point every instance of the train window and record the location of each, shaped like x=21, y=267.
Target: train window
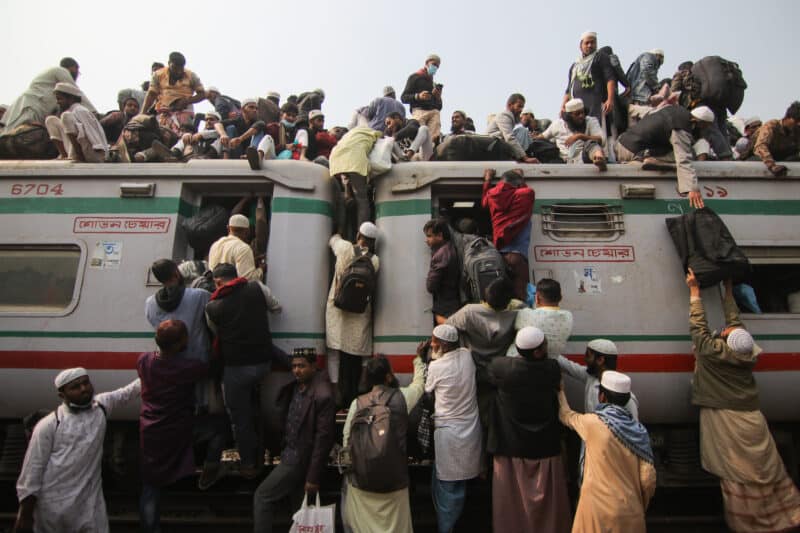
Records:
x=582, y=221
x=774, y=284
x=39, y=278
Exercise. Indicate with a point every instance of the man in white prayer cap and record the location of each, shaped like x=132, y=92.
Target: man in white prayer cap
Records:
x=592, y=79
x=226, y=106
x=644, y=82
x=77, y=133
x=233, y=249
x=663, y=140
x=348, y=334
x=529, y=487
x=59, y=488
x=619, y=478
x=457, y=438
x=735, y=442
x=580, y=139
x=600, y=356
x=242, y=130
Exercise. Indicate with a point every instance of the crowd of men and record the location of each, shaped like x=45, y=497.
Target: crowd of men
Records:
x=488, y=382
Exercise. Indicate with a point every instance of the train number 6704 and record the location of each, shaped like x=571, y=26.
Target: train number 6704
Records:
x=37, y=189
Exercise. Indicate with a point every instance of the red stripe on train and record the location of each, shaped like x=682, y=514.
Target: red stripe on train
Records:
x=402, y=363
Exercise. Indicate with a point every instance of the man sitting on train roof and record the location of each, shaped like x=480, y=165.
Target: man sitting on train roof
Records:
x=233, y=249
x=226, y=106
x=129, y=106
x=579, y=138
x=779, y=140
x=278, y=140
x=412, y=142
x=77, y=133
x=173, y=90
x=238, y=132
x=203, y=144
x=458, y=124
x=315, y=141
x=735, y=441
x=663, y=139
x=502, y=126
x=374, y=115
x=60, y=486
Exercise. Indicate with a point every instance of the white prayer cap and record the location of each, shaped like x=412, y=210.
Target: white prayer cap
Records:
x=433, y=57
x=752, y=121
x=529, y=338
x=587, y=34
x=576, y=104
x=274, y=94
x=446, y=332
x=213, y=114
x=70, y=374
x=740, y=341
x=603, y=346
x=314, y=114
x=368, y=230
x=616, y=382
x=657, y=52
x=67, y=88
x=238, y=221
x=703, y=113
x=212, y=89
x=246, y=101
x=528, y=111
x=388, y=90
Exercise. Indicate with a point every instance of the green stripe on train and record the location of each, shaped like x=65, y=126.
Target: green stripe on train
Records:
x=630, y=207
x=131, y=206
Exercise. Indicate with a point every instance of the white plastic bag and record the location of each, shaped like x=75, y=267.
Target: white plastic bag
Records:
x=380, y=158
x=314, y=518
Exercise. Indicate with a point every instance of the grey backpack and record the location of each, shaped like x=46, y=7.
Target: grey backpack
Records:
x=482, y=265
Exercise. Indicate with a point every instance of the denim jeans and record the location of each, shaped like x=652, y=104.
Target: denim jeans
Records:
x=150, y=509
x=448, y=500
x=238, y=385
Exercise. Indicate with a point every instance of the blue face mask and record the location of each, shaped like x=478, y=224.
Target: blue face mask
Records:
x=287, y=123
x=432, y=68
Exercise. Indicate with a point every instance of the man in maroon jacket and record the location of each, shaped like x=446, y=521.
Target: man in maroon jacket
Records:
x=510, y=205
x=309, y=436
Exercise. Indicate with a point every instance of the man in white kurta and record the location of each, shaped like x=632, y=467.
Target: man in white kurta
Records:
x=233, y=249
x=60, y=486
x=77, y=133
x=457, y=435
x=348, y=336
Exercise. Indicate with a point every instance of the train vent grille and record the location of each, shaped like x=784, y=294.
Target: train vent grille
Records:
x=583, y=221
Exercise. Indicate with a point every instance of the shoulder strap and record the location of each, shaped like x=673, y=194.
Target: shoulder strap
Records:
x=102, y=408
x=58, y=420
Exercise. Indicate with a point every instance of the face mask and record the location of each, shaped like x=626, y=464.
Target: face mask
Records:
x=432, y=68
x=287, y=123
x=79, y=406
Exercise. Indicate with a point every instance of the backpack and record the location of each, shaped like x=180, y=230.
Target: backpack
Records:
x=473, y=148
x=379, y=462
x=482, y=265
x=27, y=141
x=208, y=225
x=720, y=82
x=357, y=283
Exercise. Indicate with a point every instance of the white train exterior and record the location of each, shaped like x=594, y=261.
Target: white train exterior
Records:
x=619, y=272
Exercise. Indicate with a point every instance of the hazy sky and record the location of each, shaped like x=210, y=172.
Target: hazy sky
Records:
x=352, y=48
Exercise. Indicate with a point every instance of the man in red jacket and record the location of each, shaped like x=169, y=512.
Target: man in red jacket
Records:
x=510, y=205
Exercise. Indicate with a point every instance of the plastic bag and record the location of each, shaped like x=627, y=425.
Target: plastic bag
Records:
x=380, y=158
x=314, y=518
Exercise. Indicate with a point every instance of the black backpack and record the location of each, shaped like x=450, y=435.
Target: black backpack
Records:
x=482, y=265
x=357, y=284
x=379, y=462
x=720, y=82
x=209, y=224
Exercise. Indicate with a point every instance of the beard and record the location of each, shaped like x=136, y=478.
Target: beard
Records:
x=573, y=124
x=592, y=370
x=436, y=354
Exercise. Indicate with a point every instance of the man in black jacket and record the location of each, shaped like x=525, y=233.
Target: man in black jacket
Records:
x=424, y=97
x=665, y=137
x=237, y=314
x=310, y=430
x=529, y=489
